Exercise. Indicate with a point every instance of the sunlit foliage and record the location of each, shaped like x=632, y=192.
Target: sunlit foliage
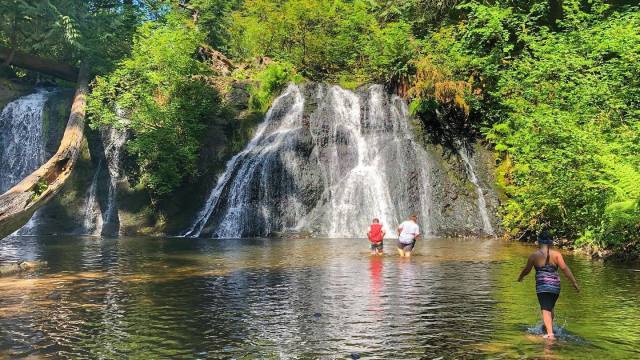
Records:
x=552, y=85
x=157, y=95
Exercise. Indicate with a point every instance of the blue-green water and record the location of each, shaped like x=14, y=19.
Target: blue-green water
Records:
x=302, y=299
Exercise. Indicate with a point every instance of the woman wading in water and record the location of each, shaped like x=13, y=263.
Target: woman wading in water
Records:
x=546, y=263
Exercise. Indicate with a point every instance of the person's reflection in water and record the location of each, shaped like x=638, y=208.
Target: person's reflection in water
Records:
x=376, y=283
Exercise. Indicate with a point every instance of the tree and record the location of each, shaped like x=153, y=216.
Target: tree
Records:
x=160, y=95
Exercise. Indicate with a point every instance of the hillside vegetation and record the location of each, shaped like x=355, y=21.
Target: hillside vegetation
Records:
x=552, y=85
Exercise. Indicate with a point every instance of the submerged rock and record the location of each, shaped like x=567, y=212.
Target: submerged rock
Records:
x=21, y=266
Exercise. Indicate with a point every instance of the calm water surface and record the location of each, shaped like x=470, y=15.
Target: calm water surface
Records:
x=309, y=298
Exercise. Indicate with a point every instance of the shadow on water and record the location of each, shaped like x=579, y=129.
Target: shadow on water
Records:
x=302, y=298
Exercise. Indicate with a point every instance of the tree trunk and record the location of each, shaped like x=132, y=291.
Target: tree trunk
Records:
x=19, y=203
x=556, y=13
x=36, y=63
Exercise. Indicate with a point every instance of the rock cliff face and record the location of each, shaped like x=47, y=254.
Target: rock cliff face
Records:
x=324, y=161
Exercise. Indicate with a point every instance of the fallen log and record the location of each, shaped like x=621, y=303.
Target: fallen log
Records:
x=39, y=64
x=19, y=203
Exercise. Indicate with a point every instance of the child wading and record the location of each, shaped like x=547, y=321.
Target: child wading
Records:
x=408, y=233
x=546, y=263
x=376, y=235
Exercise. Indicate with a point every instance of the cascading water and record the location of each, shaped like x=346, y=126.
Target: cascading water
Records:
x=113, y=140
x=21, y=137
x=238, y=161
x=327, y=170
x=482, y=202
x=92, y=215
x=23, y=144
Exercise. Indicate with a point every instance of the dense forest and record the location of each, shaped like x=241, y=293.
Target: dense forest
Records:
x=553, y=86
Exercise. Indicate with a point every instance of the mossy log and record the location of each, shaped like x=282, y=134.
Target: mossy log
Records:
x=19, y=203
x=36, y=63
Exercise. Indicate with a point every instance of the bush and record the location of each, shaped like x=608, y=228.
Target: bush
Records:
x=161, y=89
x=271, y=81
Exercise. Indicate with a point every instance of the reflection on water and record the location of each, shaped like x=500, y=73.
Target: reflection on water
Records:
x=307, y=298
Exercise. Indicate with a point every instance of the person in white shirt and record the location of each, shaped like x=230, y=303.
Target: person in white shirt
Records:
x=408, y=233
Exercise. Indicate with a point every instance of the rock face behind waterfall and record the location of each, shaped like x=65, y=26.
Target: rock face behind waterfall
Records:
x=327, y=160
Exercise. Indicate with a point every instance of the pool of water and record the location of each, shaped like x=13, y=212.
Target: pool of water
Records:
x=175, y=298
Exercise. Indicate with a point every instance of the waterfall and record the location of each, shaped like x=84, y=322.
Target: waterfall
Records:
x=92, y=215
x=328, y=172
x=113, y=140
x=21, y=137
x=482, y=203
x=22, y=143
x=214, y=196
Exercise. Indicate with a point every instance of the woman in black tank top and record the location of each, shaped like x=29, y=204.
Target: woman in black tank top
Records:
x=547, y=278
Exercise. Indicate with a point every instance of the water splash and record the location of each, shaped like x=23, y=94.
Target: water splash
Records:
x=482, y=202
x=560, y=332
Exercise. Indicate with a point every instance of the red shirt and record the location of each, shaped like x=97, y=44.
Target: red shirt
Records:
x=375, y=233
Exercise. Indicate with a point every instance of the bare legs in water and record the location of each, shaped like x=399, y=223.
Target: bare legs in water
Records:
x=403, y=253
x=547, y=318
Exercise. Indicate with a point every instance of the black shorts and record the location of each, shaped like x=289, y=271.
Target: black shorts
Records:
x=547, y=300
x=376, y=246
x=406, y=247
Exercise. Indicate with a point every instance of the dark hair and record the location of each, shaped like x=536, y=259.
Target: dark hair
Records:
x=375, y=220
x=544, y=238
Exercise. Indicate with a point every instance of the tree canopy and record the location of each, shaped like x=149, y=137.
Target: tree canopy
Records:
x=551, y=85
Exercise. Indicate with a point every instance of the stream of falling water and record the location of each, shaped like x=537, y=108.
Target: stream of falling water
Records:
x=482, y=202
x=22, y=138
x=113, y=140
x=22, y=143
x=212, y=200
x=328, y=172
x=92, y=215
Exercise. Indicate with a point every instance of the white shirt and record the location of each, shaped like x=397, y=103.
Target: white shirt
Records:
x=409, y=232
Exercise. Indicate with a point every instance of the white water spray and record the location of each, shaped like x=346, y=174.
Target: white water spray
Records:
x=92, y=215
x=482, y=203
x=22, y=143
x=113, y=140
x=352, y=159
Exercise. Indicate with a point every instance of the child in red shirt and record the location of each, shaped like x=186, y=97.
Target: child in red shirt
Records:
x=376, y=235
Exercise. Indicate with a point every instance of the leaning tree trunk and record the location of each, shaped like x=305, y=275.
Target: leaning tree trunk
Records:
x=19, y=203
x=36, y=63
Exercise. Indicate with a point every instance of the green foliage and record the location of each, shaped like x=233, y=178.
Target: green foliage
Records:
x=558, y=98
x=324, y=39
x=390, y=54
x=213, y=19
x=567, y=117
x=71, y=30
x=553, y=85
x=271, y=81
x=159, y=95
x=39, y=188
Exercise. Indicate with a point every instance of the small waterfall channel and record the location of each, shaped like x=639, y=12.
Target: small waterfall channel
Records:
x=326, y=161
x=92, y=214
x=482, y=202
x=97, y=220
x=113, y=140
x=22, y=142
x=22, y=138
